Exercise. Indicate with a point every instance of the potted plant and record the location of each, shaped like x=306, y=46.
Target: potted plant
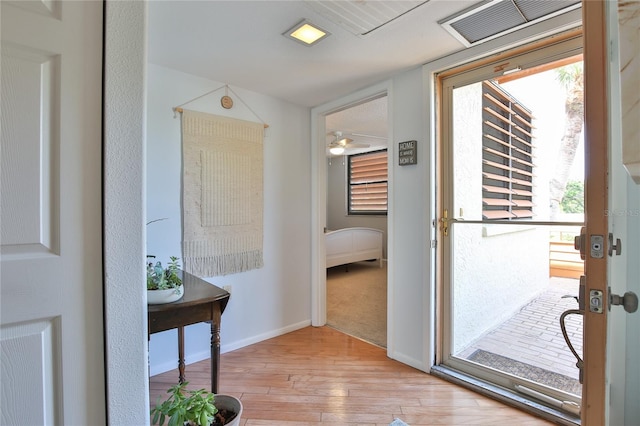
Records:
x=196, y=408
x=164, y=285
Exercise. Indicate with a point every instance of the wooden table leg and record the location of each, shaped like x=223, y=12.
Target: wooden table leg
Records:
x=215, y=347
x=181, y=354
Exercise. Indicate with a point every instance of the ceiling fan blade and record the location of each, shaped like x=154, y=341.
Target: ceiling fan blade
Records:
x=357, y=145
x=368, y=136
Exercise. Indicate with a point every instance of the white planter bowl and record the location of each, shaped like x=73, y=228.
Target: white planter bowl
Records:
x=157, y=297
x=230, y=403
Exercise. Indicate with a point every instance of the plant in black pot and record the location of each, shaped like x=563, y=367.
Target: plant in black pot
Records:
x=164, y=285
x=196, y=408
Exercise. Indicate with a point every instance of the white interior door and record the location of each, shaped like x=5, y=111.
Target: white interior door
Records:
x=52, y=367
x=623, y=339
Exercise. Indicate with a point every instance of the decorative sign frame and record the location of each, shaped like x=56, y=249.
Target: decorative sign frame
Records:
x=407, y=153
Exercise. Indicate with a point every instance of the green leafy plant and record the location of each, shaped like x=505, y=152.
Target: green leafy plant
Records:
x=573, y=199
x=192, y=407
x=160, y=278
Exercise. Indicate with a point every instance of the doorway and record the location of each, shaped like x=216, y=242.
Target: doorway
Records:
x=512, y=202
x=356, y=161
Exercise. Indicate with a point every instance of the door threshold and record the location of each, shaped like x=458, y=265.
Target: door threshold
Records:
x=505, y=396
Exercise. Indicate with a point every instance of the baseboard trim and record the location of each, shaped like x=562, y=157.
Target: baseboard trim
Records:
x=194, y=357
x=264, y=336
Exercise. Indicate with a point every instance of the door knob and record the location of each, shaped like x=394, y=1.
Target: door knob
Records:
x=617, y=247
x=629, y=301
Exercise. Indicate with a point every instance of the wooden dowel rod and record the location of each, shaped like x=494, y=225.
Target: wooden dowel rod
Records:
x=180, y=110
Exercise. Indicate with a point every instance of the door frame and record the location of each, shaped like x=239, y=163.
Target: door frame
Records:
x=319, y=198
x=596, y=130
x=596, y=161
x=555, y=50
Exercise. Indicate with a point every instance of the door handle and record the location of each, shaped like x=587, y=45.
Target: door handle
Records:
x=614, y=248
x=580, y=242
x=629, y=301
x=563, y=327
x=445, y=221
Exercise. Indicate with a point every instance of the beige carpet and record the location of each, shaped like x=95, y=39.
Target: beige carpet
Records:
x=357, y=301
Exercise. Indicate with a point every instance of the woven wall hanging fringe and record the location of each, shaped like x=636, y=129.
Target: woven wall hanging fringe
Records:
x=222, y=194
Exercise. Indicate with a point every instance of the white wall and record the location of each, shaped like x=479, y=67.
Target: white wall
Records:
x=124, y=135
x=408, y=224
x=265, y=302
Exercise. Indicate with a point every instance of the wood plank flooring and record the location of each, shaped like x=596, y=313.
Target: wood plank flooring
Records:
x=318, y=375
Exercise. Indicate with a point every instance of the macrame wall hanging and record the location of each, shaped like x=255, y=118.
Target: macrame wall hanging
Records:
x=222, y=193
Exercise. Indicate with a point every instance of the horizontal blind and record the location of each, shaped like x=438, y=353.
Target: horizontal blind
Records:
x=507, y=156
x=368, y=182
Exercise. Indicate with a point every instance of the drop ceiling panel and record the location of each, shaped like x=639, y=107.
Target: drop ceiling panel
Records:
x=361, y=17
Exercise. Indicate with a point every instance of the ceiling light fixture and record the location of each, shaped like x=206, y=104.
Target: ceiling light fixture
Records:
x=336, y=150
x=306, y=33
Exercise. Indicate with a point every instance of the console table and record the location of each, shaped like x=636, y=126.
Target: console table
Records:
x=202, y=302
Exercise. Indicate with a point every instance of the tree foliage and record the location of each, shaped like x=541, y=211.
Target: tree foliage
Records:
x=571, y=78
x=573, y=200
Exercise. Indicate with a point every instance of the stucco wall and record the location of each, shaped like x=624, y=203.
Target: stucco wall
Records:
x=496, y=268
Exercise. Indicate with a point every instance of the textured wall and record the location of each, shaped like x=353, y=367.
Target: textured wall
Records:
x=124, y=130
x=496, y=269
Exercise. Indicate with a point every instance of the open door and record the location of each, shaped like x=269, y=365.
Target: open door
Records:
x=458, y=219
x=510, y=133
x=52, y=323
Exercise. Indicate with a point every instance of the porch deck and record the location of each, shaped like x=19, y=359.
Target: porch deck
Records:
x=533, y=335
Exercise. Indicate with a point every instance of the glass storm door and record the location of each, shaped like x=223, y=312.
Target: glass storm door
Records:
x=512, y=173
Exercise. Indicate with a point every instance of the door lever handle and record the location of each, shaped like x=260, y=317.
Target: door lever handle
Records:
x=444, y=220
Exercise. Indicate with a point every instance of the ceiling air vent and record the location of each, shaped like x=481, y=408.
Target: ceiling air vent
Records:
x=494, y=18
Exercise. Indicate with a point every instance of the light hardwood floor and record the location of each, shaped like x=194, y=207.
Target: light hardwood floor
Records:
x=318, y=375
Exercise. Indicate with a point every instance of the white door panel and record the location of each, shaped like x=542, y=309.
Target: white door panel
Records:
x=51, y=331
x=28, y=208
x=623, y=339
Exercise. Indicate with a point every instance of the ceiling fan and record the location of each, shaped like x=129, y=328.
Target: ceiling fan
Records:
x=340, y=144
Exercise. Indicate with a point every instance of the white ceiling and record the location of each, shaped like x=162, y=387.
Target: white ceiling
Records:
x=240, y=43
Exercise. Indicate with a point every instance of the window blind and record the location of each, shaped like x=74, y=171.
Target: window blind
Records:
x=368, y=183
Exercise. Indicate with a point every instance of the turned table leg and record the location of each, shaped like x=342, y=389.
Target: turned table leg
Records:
x=181, y=354
x=215, y=348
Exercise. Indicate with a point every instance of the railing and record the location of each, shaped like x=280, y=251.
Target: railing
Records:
x=564, y=260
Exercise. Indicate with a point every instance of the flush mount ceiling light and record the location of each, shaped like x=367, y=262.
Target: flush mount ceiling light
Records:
x=306, y=33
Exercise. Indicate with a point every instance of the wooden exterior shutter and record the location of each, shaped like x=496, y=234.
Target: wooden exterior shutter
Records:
x=507, y=158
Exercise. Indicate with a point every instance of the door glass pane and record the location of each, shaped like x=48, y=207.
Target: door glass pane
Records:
x=508, y=296
x=518, y=185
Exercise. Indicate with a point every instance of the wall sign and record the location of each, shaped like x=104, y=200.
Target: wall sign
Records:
x=408, y=153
